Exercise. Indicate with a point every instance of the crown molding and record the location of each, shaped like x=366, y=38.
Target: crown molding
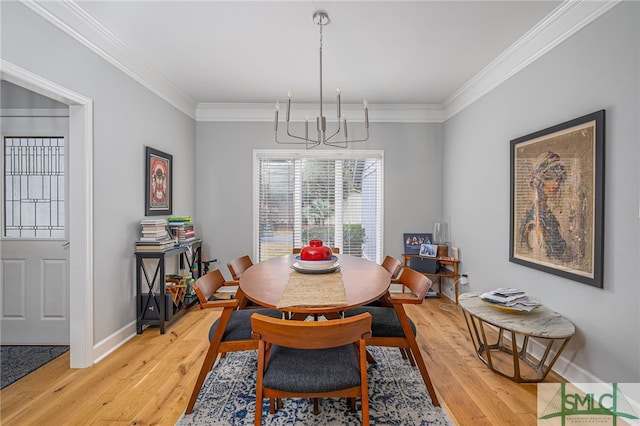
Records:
x=568, y=18
x=72, y=19
x=396, y=113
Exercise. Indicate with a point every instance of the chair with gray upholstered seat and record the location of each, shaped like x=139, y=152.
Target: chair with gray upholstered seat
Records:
x=312, y=359
x=393, y=328
x=231, y=332
x=393, y=266
x=238, y=265
x=208, y=286
x=236, y=268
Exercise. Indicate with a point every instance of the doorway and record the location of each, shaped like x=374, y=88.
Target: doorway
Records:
x=80, y=211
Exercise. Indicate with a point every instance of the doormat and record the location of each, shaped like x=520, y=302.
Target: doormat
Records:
x=397, y=396
x=18, y=361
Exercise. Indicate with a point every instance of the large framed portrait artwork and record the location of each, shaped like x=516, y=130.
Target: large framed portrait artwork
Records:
x=158, y=182
x=557, y=199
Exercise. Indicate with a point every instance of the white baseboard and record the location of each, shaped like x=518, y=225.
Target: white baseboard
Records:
x=563, y=366
x=113, y=342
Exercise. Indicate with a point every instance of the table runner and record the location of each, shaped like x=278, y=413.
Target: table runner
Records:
x=313, y=290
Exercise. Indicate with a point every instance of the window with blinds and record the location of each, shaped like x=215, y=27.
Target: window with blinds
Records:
x=334, y=196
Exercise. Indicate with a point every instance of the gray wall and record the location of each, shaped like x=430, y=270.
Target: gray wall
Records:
x=224, y=161
x=127, y=117
x=598, y=68
x=458, y=172
x=18, y=97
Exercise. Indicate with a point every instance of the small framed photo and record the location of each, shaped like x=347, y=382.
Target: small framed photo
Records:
x=428, y=250
x=413, y=241
x=158, y=182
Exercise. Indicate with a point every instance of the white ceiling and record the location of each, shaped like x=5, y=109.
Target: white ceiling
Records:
x=252, y=52
x=389, y=52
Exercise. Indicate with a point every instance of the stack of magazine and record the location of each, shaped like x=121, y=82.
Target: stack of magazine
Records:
x=510, y=299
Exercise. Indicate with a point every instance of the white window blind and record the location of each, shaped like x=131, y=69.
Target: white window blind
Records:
x=335, y=196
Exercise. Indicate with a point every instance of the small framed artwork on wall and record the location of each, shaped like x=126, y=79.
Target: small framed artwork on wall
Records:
x=158, y=182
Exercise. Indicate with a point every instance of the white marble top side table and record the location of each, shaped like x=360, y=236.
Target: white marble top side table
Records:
x=545, y=326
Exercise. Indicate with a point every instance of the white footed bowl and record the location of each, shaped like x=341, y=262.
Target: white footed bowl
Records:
x=316, y=264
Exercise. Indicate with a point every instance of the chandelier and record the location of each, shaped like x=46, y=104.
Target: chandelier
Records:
x=340, y=138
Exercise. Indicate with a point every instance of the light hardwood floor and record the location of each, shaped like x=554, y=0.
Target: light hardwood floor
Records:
x=149, y=379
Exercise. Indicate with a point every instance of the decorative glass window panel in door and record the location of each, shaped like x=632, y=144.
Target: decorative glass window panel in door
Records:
x=34, y=176
x=334, y=196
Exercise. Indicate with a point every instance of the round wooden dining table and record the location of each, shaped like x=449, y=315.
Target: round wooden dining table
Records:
x=364, y=281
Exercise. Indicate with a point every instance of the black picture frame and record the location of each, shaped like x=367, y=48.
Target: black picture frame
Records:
x=557, y=199
x=413, y=241
x=158, y=182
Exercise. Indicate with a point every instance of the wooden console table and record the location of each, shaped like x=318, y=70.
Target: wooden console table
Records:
x=444, y=272
x=542, y=324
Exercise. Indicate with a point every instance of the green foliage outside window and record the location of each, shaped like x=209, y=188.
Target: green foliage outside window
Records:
x=353, y=237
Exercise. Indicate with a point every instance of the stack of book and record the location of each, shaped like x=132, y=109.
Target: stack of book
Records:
x=510, y=298
x=154, y=235
x=182, y=228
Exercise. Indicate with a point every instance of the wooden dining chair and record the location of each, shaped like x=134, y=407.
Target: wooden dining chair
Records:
x=308, y=359
x=238, y=266
x=393, y=265
x=231, y=332
x=392, y=327
x=296, y=250
x=207, y=286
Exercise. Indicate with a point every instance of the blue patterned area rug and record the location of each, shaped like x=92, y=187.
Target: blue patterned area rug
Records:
x=397, y=396
x=18, y=361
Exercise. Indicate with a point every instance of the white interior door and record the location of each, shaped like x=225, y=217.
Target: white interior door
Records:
x=35, y=265
x=35, y=308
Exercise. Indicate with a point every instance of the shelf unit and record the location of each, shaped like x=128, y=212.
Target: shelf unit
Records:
x=152, y=307
x=443, y=271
